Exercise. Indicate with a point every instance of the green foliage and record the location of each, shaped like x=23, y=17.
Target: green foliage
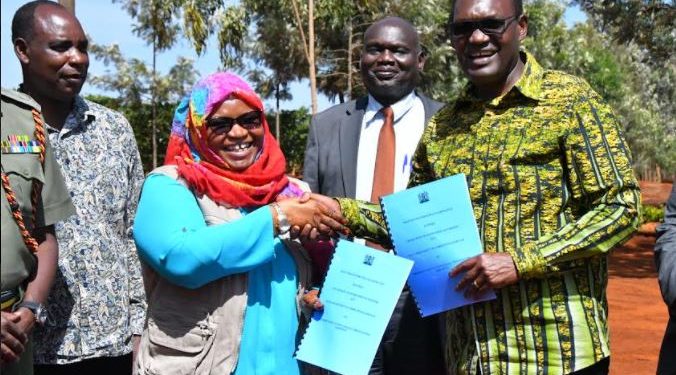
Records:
x=154, y=22
x=626, y=52
x=139, y=116
x=644, y=42
x=648, y=23
x=294, y=126
x=133, y=80
x=160, y=22
x=652, y=214
x=137, y=87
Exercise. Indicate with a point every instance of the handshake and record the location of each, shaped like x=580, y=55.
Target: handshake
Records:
x=310, y=217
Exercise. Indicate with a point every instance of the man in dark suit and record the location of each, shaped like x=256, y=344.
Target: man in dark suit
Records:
x=351, y=146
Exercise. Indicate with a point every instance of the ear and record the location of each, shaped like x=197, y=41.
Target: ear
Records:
x=523, y=27
x=21, y=51
x=422, y=58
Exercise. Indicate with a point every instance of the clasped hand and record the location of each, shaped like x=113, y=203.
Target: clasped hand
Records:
x=313, y=217
x=16, y=326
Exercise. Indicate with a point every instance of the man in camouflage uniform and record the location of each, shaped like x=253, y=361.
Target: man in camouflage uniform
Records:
x=34, y=198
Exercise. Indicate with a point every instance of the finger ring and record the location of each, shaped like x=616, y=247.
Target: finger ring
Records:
x=475, y=284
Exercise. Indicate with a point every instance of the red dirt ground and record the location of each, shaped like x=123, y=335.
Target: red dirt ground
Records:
x=637, y=312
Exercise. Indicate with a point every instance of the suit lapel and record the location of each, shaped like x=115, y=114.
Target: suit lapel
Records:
x=430, y=106
x=350, y=130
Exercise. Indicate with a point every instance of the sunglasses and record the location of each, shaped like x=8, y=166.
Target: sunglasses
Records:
x=490, y=26
x=223, y=125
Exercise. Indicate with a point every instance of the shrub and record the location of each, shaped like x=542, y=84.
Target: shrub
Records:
x=652, y=214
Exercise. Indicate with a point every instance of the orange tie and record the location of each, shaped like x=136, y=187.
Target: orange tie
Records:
x=383, y=173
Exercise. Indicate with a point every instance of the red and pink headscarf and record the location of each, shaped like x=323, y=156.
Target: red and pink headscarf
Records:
x=202, y=168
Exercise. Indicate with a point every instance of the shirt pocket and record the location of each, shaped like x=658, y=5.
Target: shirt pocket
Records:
x=177, y=350
x=22, y=170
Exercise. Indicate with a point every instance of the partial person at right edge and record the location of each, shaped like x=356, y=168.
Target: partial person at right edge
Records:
x=346, y=156
x=665, y=259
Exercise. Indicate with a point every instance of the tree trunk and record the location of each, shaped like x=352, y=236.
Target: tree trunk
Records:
x=311, y=60
x=68, y=4
x=658, y=172
x=349, y=60
x=277, y=135
x=153, y=124
x=308, y=47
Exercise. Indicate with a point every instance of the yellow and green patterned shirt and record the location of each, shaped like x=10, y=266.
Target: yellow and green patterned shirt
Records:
x=551, y=183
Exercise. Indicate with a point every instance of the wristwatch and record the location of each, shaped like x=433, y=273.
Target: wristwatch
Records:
x=283, y=225
x=38, y=310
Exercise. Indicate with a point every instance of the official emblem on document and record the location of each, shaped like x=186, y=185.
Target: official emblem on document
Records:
x=368, y=259
x=423, y=197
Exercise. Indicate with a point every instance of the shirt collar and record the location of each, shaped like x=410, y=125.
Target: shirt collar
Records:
x=529, y=84
x=79, y=115
x=399, y=109
x=81, y=111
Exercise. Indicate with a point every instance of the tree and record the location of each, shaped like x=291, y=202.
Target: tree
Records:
x=295, y=137
x=155, y=25
x=135, y=84
x=270, y=86
x=68, y=4
x=643, y=39
x=308, y=45
x=277, y=64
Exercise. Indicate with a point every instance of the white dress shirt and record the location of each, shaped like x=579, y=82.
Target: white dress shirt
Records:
x=409, y=123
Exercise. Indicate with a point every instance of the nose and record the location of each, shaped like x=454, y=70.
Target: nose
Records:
x=478, y=37
x=237, y=131
x=386, y=56
x=78, y=57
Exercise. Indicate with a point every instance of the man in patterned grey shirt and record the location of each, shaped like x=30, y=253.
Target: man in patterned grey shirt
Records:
x=97, y=305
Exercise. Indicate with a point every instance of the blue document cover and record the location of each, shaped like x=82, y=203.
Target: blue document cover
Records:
x=361, y=289
x=434, y=226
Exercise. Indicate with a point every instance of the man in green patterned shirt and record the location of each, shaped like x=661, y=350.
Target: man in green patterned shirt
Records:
x=553, y=192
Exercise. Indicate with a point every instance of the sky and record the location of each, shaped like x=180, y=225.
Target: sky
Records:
x=107, y=23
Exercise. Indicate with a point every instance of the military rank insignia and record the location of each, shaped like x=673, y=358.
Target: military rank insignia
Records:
x=20, y=144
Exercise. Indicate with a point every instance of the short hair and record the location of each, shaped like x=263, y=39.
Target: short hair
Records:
x=402, y=23
x=23, y=20
x=518, y=8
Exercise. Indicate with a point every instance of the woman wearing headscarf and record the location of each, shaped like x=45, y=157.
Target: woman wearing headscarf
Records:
x=223, y=285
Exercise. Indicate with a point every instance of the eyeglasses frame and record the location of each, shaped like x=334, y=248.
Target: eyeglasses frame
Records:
x=476, y=26
x=235, y=121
